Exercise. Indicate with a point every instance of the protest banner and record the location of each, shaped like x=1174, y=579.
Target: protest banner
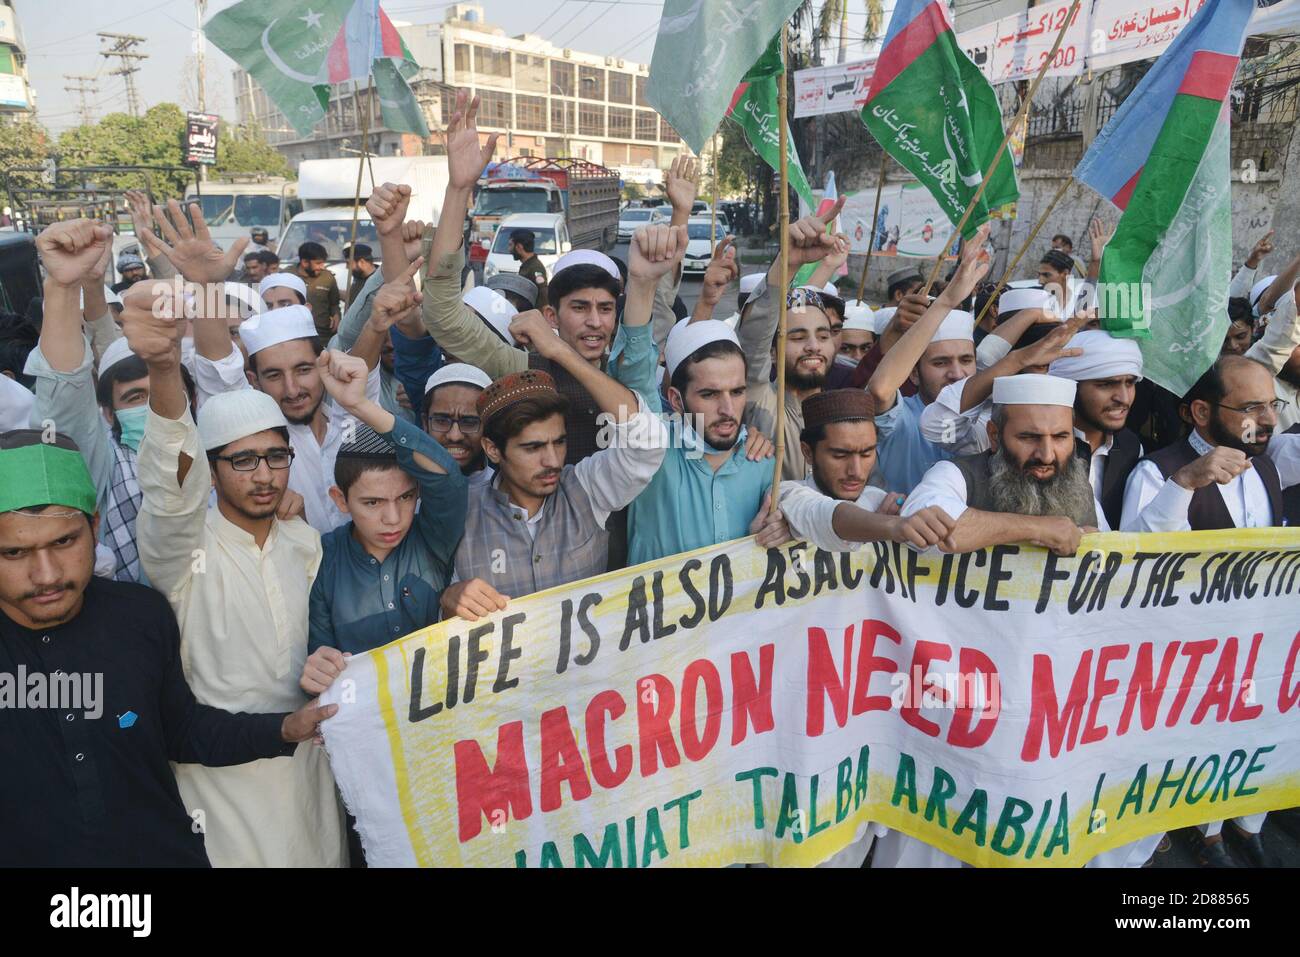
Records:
x=1123, y=31
x=734, y=704
x=1025, y=40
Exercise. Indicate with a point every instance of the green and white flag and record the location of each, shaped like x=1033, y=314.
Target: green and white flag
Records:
x=704, y=49
x=754, y=108
x=297, y=52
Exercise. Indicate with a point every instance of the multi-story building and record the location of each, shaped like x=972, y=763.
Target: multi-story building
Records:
x=15, y=93
x=547, y=101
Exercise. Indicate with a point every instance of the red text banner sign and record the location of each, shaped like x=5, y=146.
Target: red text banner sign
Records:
x=1007, y=706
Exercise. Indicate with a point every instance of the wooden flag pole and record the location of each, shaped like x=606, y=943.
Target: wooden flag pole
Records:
x=1021, y=115
x=1033, y=233
x=871, y=231
x=713, y=212
x=783, y=224
x=356, y=198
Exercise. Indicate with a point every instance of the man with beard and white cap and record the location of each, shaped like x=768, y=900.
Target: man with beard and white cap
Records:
x=937, y=350
x=711, y=484
x=1029, y=487
x=809, y=348
x=1107, y=371
x=451, y=417
x=242, y=603
x=1216, y=479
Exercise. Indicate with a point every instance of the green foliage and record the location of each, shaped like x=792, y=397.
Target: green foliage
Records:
x=22, y=143
x=633, y=191
x=241, y=154
x=153, y=139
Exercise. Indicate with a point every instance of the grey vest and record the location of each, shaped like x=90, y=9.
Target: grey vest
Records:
x=497, y=548
x=975, y=470
x=1207, y=509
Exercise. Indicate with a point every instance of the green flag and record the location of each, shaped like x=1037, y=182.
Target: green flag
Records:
x=933, y=111
x=702, y=52
x=754, y=110
x=284, y=50
x=397, y=102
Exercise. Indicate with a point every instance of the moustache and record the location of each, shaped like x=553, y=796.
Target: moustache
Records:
x=40, y=592
x=547, y=475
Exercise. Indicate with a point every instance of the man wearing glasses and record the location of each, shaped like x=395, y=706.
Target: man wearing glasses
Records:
x=453, y=420
x=1230, y=470
x=238, y=580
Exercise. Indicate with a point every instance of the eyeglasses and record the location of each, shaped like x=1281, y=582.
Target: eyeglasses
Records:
x=1277, y=405
x=469, y=424
x=249, y=461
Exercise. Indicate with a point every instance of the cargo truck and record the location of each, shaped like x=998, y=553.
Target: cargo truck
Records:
x=585, y=193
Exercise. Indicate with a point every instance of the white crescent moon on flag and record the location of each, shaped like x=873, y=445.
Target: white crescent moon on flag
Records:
x=278, y=63
x=974, y=179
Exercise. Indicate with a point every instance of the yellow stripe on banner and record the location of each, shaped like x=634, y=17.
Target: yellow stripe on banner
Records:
x=423, y=857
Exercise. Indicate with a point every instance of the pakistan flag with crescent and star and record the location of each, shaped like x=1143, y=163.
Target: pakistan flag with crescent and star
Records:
x=297, y=51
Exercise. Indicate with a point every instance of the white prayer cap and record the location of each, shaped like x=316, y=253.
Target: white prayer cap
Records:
x=1104, y=356
x=732, y=320
x=243, y=294
x=958, y=324
x=275, y=326
x=494, y=309
x=858, y=315
x=1032, y=389
x=1029, y=297
x=1022, y=283
x=227, y=416
x=15, y=405
x=1258, y=290
x=117, y=351
x=590, y=257
x=883, y=317
x=287, y=279
x=829, y=289
x=751, y=282
x=686, y=337
x=459, y=372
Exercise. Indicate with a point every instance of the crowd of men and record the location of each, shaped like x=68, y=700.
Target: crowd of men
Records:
x=214, y=491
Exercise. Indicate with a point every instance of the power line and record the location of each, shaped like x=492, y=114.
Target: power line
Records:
x=546, y=18
x=86, y=33
x=588, y=25
x=566, y=23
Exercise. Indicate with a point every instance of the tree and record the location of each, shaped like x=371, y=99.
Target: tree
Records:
x=243, y=154
x=153, y=139
x=22, y=143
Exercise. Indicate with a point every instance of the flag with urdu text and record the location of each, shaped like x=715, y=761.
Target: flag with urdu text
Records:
x=703, y=51
x=1164, y=160
x=754, y=108
x=298, y=51
x=934, y=112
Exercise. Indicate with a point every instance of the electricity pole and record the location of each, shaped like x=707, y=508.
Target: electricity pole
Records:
x=81, y=89
x=199, y=43
x=122, y=46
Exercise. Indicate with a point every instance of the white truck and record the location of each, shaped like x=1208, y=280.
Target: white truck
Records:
x=327, y=187
x=233, y=207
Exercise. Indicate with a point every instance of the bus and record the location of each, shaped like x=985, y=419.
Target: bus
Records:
x=233, y=208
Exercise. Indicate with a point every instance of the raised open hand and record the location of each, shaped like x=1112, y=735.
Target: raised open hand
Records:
x=191, y=249
x=466, y=157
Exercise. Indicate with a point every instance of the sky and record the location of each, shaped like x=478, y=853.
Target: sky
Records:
x=60, y=39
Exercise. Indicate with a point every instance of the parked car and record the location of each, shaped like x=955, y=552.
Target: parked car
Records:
x=633, y=218
x=699, y=249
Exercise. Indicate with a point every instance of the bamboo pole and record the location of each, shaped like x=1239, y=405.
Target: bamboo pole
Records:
x=783, y=225
x=713, y=212
x=871, y=232
x=1033, y=233
x=356, y=197
x=1021, y=116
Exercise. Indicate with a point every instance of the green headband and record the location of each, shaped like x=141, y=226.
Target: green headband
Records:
x=44, y=474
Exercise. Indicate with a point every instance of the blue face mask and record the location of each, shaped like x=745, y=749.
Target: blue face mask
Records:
x=131, y=422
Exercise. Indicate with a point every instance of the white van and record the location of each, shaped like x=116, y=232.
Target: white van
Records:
x=550, y=241
x=232, y=209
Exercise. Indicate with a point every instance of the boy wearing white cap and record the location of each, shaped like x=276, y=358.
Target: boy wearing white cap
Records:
x=451, y=417
x=857, y=336
x=581, y=304
x=937, y=350
x=711, y=485
x=237, y=578
x=1029, y=487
